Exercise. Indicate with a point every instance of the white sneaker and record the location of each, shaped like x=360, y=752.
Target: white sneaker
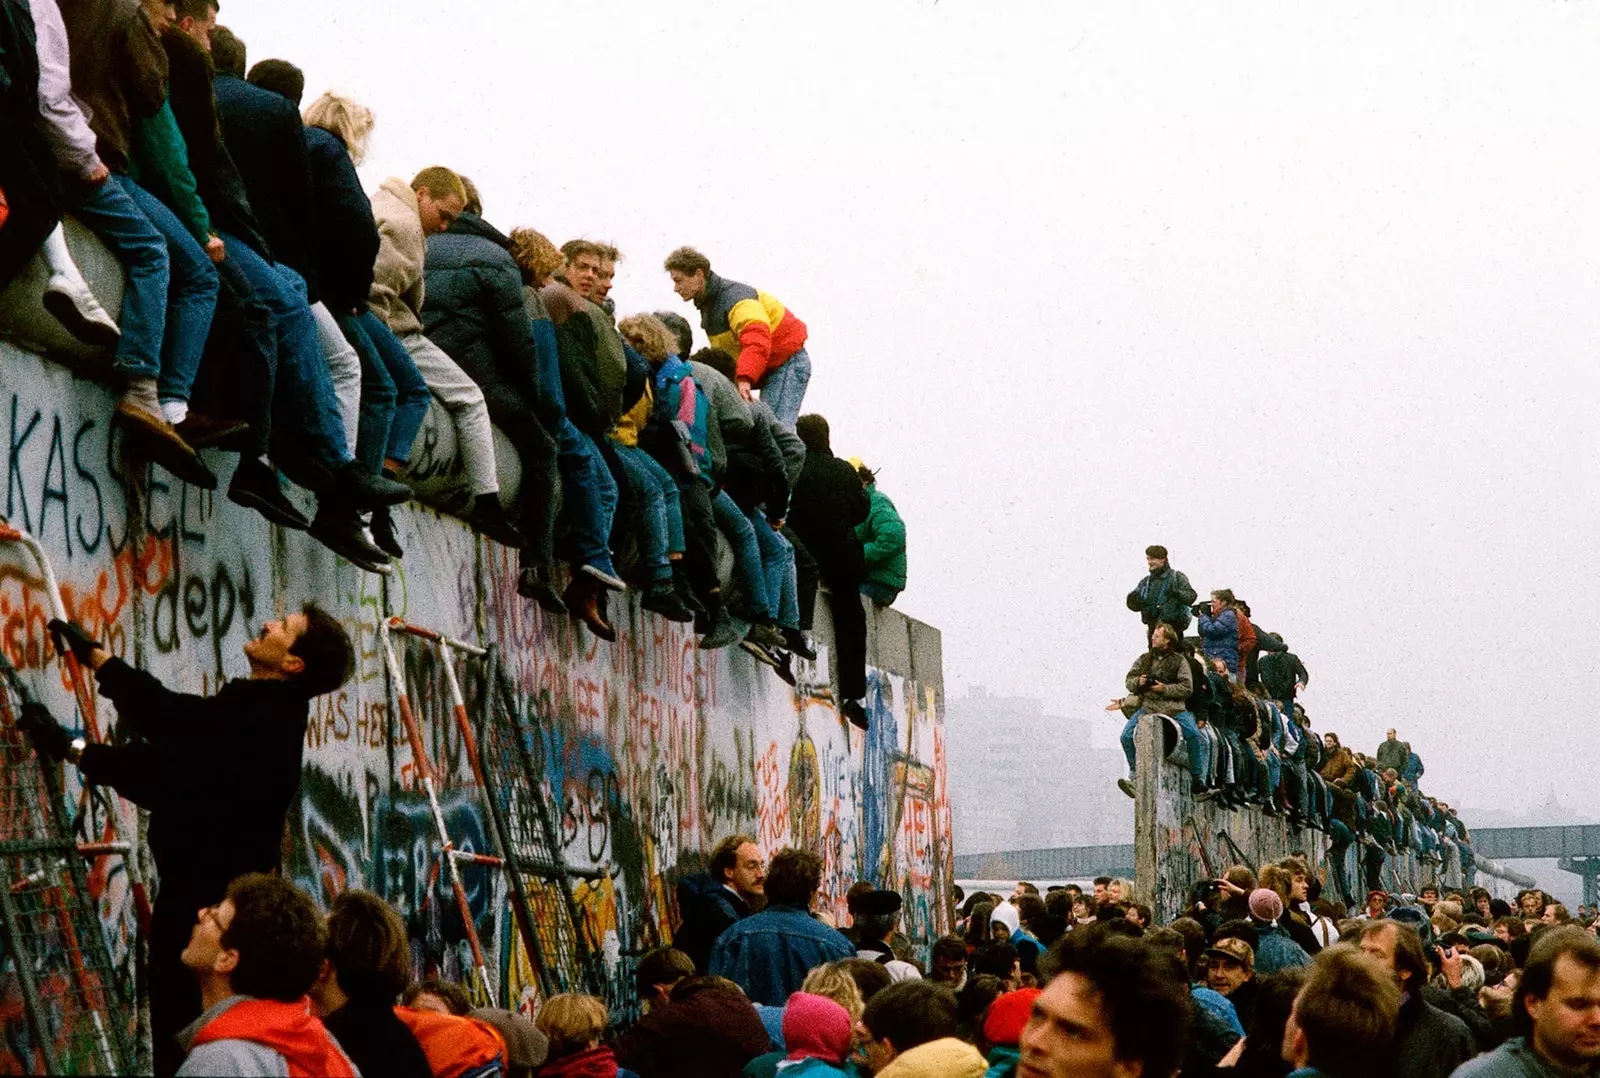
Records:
x=75, y=307
x=604, y=577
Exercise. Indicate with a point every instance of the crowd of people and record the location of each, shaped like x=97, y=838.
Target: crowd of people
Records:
x=273, y=309
x=1231, y=691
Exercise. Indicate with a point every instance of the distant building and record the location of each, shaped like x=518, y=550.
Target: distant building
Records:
x=1023, y=779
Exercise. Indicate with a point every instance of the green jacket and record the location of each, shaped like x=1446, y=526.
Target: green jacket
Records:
x=160, y=164
x=883, y=541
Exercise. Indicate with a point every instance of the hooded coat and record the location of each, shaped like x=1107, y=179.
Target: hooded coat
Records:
x=883, y=542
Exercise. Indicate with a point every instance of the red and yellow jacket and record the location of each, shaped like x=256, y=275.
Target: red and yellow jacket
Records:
x=753, y=327
x=456, y=1047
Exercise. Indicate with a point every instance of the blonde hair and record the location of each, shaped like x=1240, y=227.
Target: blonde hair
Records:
x=1126, y=887
x=833, y=982
x=441, y=183
x=572, y=1021
x=649, y=335
x=350, y=120
x=536, y=256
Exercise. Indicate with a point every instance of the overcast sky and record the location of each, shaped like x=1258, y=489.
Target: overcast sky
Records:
x=1307, y=295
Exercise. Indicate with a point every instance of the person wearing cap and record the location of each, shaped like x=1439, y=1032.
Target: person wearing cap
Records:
x=1275, y=949
x=877, y=917
x=883, y=542
x=1231, y=971
x=1377, y=905
x=1002, y=1030
x=1163, y=595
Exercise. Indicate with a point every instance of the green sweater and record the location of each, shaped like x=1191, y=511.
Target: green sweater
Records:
x=883, y=542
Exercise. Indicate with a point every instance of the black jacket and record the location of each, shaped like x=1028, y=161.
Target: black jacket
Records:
x=708, y=909
x=377, y=1042
x=344, y=239
x=1280, y=668
x=829, y=501
x=1428, y=1042
x=264, y=135
x=217, y=773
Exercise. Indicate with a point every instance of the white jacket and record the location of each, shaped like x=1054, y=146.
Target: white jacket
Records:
x=67, y=125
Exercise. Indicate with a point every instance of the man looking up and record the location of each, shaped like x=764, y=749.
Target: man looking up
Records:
x=1556, y=1011
x=1164, y=595
x=767, y=338
x=255, y=955
x=217, y=774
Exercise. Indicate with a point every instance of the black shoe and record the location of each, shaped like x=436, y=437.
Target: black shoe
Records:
x=383, y=533
x=686, y=595
x=1125, y=786
x=534, y=583
x=795, y=640
x=367, y=491
x=785, y=667
x=256, y=486
x=663, y=598
x=340, y=532
x=489, y=518
x=705, y=619
x=853, y=711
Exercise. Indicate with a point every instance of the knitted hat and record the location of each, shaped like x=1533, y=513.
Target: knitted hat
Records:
x=1265, y=905
x=1007, y=1015
x=815, y=1027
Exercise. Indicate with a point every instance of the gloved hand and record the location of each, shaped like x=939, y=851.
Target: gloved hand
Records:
x=50, y=741
x=69, y=637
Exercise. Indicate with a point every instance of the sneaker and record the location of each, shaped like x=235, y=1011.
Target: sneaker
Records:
x=256, y=486
x=72, y=304
x=663, y=598
x=582, y=599
x=140, y=416
x=489, y=518
x=383, y=533
x=795, y=640
x=762, y=655
x=855, y=713
x=341, y=532
x=1125, y=786
x=534, y=583
x=367, y=491
x=610, y=580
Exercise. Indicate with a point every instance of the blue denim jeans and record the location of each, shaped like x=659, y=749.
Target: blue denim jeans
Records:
x=394, y=398
x=590, y=496
x=112, y=214
x=1194, y=742
x=660, y=516
x=747, y=565
x=784, y=389
x=777, y=562
x=191, y=297
x=304, y=407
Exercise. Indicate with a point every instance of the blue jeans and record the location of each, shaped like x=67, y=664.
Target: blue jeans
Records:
x=1193, y=741
x=590, y=496
x=112, y=214
x=394, y=398
x=777, y=562
x=658, y=510
x=747, y=565
x=191, y=297
x=784, y=389
x=304, y=407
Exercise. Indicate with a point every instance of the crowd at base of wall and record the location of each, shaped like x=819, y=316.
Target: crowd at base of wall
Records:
x=1179, y=841
x=649, y=750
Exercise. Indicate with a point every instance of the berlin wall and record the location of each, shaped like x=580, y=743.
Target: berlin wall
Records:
x=651, y=749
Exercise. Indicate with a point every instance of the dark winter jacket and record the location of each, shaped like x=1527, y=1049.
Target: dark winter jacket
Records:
x=376, y=1041
x=344, y=236
x=267, y=141
x=217, y=773
x=119, y=71
x=708, y=909
x=1163, y=596
x=1463, y=1004
x=883, y=542
x=1393, y=754
x=1428, y=1042
x=1171, y=670
x=593, y=365
x=757, y=473
x=829, y=501
x=1281, y=669
x=1219, y=635
x=28, y=167
x=711, y=1033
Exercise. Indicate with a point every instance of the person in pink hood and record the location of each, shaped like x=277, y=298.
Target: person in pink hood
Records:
x=818, y=1033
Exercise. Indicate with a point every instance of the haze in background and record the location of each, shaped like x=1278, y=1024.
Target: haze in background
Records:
x=1307, y=296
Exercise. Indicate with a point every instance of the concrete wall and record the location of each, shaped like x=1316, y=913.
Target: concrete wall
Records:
x=652, y=749
x=1177, y=842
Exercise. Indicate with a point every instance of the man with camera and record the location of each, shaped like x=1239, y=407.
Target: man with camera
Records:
x=1160, y=682
x=1163, y=595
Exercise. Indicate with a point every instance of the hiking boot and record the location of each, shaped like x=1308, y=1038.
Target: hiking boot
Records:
x=256, y=486
x=855, y=713
x=762, y=655
x=534, y=583
x=1198, y=792
x=384, y=535
x=203, y=432
x=609, y=579
x=367, y=491
x=139, y=412
x=489, y=518
x=766, y=634
x=663, y=598
x=71, y=303
x=1125, y=786
x=582, y=600
x=340, y=531
x=795, y=640
x=723, y=633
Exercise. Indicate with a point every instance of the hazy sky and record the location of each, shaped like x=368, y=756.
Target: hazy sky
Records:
x=1308, y=295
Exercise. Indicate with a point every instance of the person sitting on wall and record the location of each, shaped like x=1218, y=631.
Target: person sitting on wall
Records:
x=1160, y=683
x=254, y=956
x=217, y=774
x=883, y=542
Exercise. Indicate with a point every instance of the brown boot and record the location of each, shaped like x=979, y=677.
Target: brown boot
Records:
x=139, y=412
x=583, y=602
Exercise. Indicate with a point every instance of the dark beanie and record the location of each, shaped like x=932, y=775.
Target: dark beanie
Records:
x=1157, y=551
